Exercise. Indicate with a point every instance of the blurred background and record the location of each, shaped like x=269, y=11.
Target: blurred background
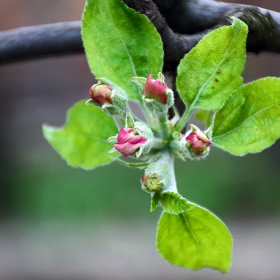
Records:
x=58, y=222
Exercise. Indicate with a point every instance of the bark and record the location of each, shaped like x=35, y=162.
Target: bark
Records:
x=181, y=24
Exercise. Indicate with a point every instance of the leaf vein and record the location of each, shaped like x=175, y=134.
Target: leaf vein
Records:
x=240, y=125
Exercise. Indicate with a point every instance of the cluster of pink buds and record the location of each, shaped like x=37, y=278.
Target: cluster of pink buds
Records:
x=137, y=138
x=156, y=146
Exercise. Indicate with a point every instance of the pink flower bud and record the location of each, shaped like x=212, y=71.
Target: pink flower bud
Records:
x=155, y=89
x=129, y=141
x=101, y=94
x=198, y=141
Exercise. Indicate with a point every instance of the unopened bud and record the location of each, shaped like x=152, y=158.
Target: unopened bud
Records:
x=198, y=142
x=136, y=138
x=108, y=96
x=151, y=183
x=194, y=145
x=101, y=94
x=157, y=176
x=157, y=96
x=129, y=141
x=155, y=89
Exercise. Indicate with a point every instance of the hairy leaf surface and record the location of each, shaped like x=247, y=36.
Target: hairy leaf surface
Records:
x=249, y=121
x=212, y=70
x=82, y=140
x=195, y=239
x=120, y=43
x=172, y=203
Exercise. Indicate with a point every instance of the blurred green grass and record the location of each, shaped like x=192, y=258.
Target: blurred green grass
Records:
x=226, y=185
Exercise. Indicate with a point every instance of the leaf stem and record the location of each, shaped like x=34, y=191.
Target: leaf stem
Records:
x=133, y=165
x=181, y=124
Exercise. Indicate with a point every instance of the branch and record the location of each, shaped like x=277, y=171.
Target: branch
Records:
x=181, y=24
x=193, y=16
x=196, y=18
x=39, y=41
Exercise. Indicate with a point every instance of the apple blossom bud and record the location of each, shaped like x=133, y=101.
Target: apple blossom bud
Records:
x=157, y=97
x=157, y=176
x=198, y=142
x=136, y=138
x=129, y=141
x=155, y=89
x=151, y=183
x=108, y=96
x=101, y=94
x=194, y=145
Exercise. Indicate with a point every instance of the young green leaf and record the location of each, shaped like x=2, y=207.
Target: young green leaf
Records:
x=211, y=71
x=195, y=239
x=120, y=43
x=82, y=140
x=172, y=203
x=249, y=121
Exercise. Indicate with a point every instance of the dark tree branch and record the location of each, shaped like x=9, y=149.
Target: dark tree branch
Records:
x=181, y=24
x=40, y=41
x=193, y=16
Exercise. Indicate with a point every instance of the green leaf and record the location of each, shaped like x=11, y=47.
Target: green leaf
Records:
x=212, y=70
x=195, y=239
x=249, y=121
x=172, y=203
x=204, y=116
x=82, y=140
x=120, y=43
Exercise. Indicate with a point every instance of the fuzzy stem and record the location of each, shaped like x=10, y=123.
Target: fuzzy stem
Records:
x=181, y=124
x=159, y=143
x=162, y=119
x=167, y=159
x=173, y=185
x=174, y=145
x=149, y=116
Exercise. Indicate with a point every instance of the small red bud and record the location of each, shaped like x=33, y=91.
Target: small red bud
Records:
x=101, y=94
x=155, y=89
x=198, y=141
x=129, y=141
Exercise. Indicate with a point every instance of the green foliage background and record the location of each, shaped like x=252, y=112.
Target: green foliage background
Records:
x=228, y=185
